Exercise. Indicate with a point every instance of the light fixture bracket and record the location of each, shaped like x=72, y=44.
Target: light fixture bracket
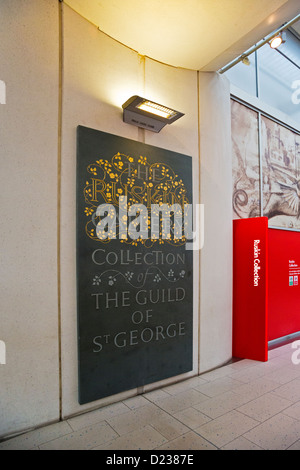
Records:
x=147, y=114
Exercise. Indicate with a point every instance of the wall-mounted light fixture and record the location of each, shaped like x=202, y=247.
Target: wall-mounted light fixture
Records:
x=147, y=114
x=278, y=40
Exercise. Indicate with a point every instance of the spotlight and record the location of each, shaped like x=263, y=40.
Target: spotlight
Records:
x=246, y=61
x=277, y=41
x=147, y=114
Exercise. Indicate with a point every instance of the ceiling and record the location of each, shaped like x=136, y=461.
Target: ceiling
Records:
x=193, y=34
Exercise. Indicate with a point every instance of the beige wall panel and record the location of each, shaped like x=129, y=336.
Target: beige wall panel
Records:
x=216, y=256
x=99, y=76
x=177, y=88
x=29, y=390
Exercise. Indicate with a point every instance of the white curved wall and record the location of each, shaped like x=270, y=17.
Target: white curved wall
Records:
x=29, y=381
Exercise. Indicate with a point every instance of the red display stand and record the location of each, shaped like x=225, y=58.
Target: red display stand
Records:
x=250, y=289
x=284, y=283
x=266, y=286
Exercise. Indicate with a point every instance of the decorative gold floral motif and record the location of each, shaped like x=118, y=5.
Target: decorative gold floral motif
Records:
x=141, y=183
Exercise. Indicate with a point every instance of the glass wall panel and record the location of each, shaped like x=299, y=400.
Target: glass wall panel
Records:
x=244, y=76
x=278, y=76
x=291, y=48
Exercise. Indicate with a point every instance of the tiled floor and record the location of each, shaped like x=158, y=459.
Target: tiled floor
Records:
x=243, y=405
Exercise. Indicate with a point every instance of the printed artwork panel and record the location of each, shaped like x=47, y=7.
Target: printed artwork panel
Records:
x=281, y=175
x=245, y=162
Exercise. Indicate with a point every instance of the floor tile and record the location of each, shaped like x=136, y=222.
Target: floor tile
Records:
x=37, y=437
x=93, y=417
x=256, y=388
x=295, y=446
x=293, y=411
x=241, y=444
x=128, y=422
x=189, y=441
x=168, y=426
x=290, y=391
x=242, y=364
x=192, y=418
x=222, y=404
x=264, y=407
x=185, y=385
x=217, y=373
x=156, y=395
x=145, y=438
x=84, y=439
x=249, y=374
x=218, y=386
x=244, y=405
x=282, y=375
x=295, y=368
x=273, y=363
x=276, y=352
x=136, y=402
x=226, y=428
x=277, y=433
x=182, y=400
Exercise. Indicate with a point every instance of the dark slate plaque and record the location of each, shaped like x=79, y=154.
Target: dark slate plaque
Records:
x=134, y=285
